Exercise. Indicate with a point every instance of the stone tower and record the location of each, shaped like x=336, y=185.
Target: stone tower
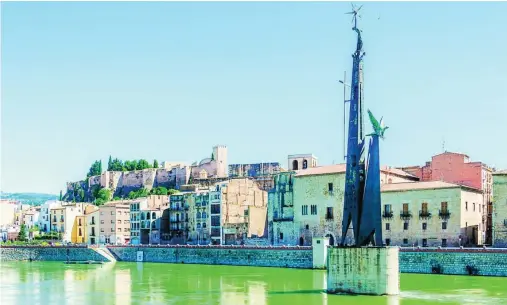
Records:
x=220, y=156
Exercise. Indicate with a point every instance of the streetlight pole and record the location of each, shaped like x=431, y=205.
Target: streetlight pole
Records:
x=345, y=85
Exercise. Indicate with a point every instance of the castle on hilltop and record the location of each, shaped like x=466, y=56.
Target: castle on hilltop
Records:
x=170, y=175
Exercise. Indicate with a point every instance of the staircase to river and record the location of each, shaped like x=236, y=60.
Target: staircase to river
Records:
x=105, y=253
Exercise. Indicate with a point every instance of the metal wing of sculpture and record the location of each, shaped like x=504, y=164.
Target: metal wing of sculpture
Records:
x=378, y=128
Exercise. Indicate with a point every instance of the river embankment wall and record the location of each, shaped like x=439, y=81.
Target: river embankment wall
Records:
x=487, y=262
x=455, y=261
x=38, y=253
x=284, y=257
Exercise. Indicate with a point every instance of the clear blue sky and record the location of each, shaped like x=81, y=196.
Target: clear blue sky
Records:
x=81, y=81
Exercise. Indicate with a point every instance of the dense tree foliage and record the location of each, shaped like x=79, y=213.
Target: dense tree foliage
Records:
x=155, y=163
x=22, y=233
x=172, y=192
x=129, y=165
x=142, y=192
x=103, y=195
x=95, y=169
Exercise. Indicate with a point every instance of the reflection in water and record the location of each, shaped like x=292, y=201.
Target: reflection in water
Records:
x=137, y=283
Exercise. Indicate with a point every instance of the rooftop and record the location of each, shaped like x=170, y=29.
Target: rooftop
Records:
x=340, y=168
x=422, y=185
x=302, y=155
x=500, y=172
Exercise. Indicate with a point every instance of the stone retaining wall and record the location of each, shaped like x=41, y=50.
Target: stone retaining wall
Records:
x=20, y=253
x=489, y=262
x=285, y=257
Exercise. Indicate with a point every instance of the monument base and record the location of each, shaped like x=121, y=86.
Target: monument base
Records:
x=365, y=270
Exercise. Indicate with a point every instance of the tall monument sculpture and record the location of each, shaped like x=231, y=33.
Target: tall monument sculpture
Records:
x=362, y=206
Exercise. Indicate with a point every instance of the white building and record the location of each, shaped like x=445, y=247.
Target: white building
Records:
x=430, y=214
x=45, y=213
x=7, y=212
x=136, y=206
x=63, y=218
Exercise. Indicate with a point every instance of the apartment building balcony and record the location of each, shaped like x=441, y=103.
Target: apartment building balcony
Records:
x=405, y=215
x=424, y=214
x=387, y=214
x=283, y=218
x=444, y=214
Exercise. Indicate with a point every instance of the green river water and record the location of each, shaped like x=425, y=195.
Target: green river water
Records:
x=149, y=283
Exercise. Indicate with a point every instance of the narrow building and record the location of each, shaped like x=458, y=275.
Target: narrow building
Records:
x=500, y=209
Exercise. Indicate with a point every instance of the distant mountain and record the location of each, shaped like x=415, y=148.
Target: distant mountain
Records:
x=29, y=198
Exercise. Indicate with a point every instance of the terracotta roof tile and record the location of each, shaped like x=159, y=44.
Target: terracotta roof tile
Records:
x=424, y=185
x=340, y=168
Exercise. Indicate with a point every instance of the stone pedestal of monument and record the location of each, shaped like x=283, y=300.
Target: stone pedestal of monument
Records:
x=364, y=270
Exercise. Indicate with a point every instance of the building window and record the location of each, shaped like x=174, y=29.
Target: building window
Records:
x=424, y=226
x=112, y=212
x=80, y=232
x=444, y=242
x=281, y=236
x=405, y=208
x=388, y=241
x=307, y=227
x=405, y=241
x=101, y=229
x=295, y=165
x=424, y=208
x=112, y=229
x=329, y=213
x=305, y=164
x=474, y=206
x=313, y=209
x=405, y=226
x=444, y=225
x=424, y=242
x=330, y=187
x=466, y=205
x=112, y=221
x=119, y=229
x=388, y=226
x=479, y=208
x=304, y=210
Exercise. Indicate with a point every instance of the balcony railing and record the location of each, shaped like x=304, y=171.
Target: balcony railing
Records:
x=424, y=214
x=283, y=218
x=387, y=214
x=405, y=214
x=444, y=214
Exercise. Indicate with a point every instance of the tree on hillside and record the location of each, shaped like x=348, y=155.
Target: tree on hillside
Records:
x=61, y=195
x=172, y=191
x=104, y=194
x=116, y=165
x=142, y=164
x=22, y=233
x=81, y=195
x=155, y=163
x=159, y=191
x=95, y=169
x=130, y=165
x=109, y=163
